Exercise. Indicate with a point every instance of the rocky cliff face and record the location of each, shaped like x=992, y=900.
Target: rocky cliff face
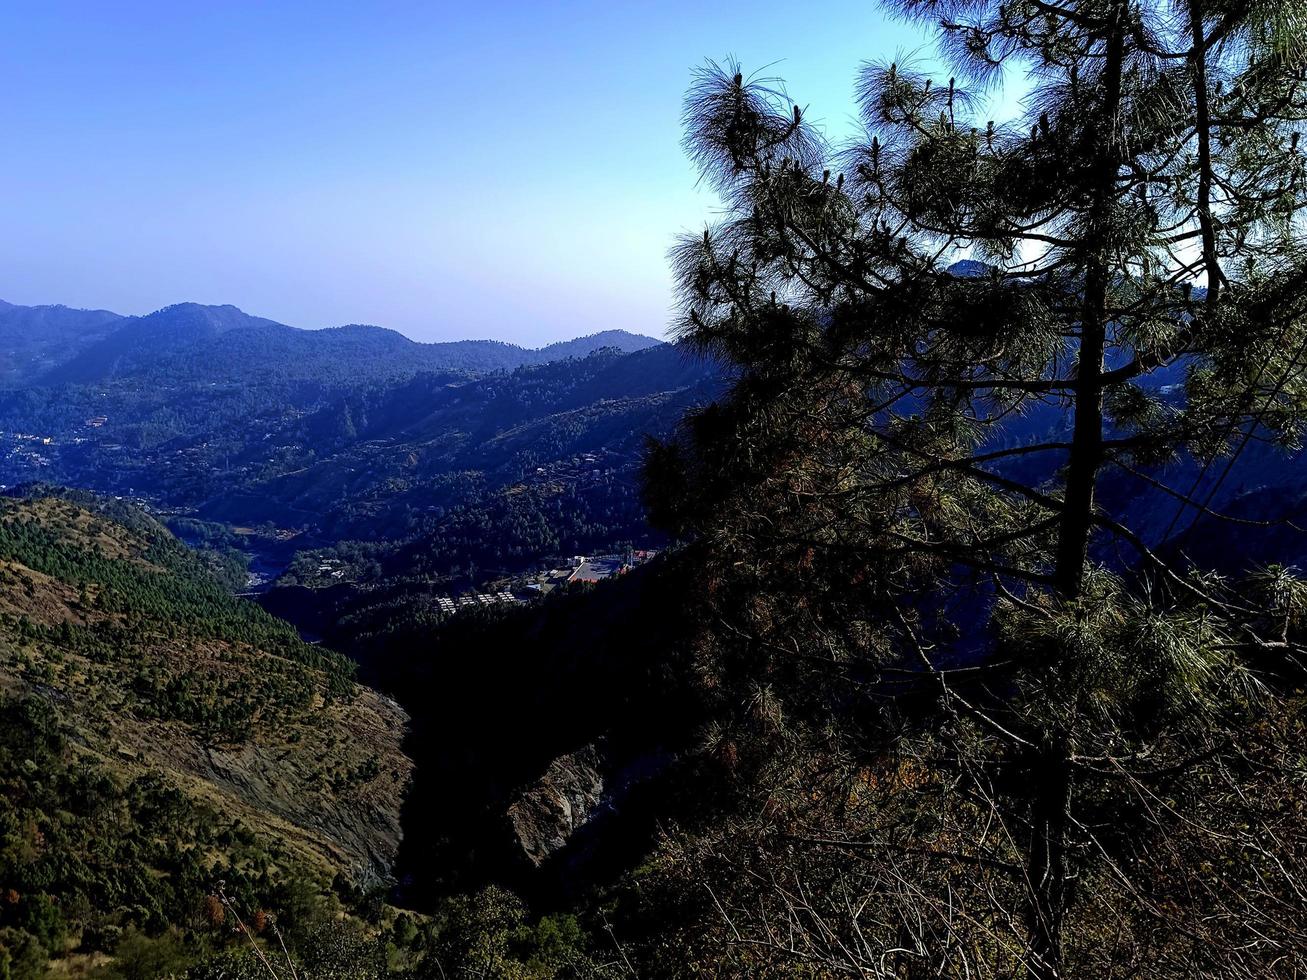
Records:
x=548, y=813
x=332, y=792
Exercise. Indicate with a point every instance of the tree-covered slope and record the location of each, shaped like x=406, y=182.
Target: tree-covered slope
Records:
x=139, y=341
x=495, y=474
x=193, y=343
x=165, y=741
x=35, y=339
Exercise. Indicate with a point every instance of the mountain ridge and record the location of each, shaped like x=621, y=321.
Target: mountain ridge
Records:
x=36, y=338
x=95, y=346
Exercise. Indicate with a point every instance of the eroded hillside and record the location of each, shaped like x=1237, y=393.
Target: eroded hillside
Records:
x=151, y=671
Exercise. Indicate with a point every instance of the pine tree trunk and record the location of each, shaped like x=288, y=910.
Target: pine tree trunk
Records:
x=1087, y=435
x=1086, y=441
x=1053, y=784
x=1046, y=863
x=1203, y=133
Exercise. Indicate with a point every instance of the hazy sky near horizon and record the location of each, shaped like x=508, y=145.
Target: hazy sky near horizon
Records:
x=506, y=170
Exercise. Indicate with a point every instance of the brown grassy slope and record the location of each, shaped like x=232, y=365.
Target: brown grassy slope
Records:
x=153, y=667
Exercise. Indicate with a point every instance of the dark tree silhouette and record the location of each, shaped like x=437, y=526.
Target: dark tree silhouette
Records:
x=905, y=473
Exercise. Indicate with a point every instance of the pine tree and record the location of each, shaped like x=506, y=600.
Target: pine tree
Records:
x=907, y=470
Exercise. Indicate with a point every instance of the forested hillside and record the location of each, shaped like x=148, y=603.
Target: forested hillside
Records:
x=171, y=757
x=460, y=471
x=190, y=343
x=35, y=339
x=934, y=605
x=430, y=457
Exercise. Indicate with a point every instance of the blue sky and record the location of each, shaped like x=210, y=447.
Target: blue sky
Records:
x=507, y=170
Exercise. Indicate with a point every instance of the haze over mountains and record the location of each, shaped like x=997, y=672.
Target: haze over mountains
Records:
x=469, y=453
x=41, y=345
x=357, y=432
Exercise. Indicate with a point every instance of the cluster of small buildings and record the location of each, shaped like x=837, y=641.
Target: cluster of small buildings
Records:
x=24, y=450
x=579, y=470
x=471, y=600
x=596, y=568
x=331, y=567
x=28, y=437
x=580, y=568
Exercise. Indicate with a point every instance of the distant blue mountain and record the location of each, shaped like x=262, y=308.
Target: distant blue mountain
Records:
x=194, y=343
x=139, y=341
x=969, y=269
x=34, y=339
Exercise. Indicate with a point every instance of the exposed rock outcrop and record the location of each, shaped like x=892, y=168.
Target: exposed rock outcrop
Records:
x=548, y=813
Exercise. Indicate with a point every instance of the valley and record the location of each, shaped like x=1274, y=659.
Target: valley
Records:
x=474, y=675
x=882, y=554
x=237, y=433
x=375, y=512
